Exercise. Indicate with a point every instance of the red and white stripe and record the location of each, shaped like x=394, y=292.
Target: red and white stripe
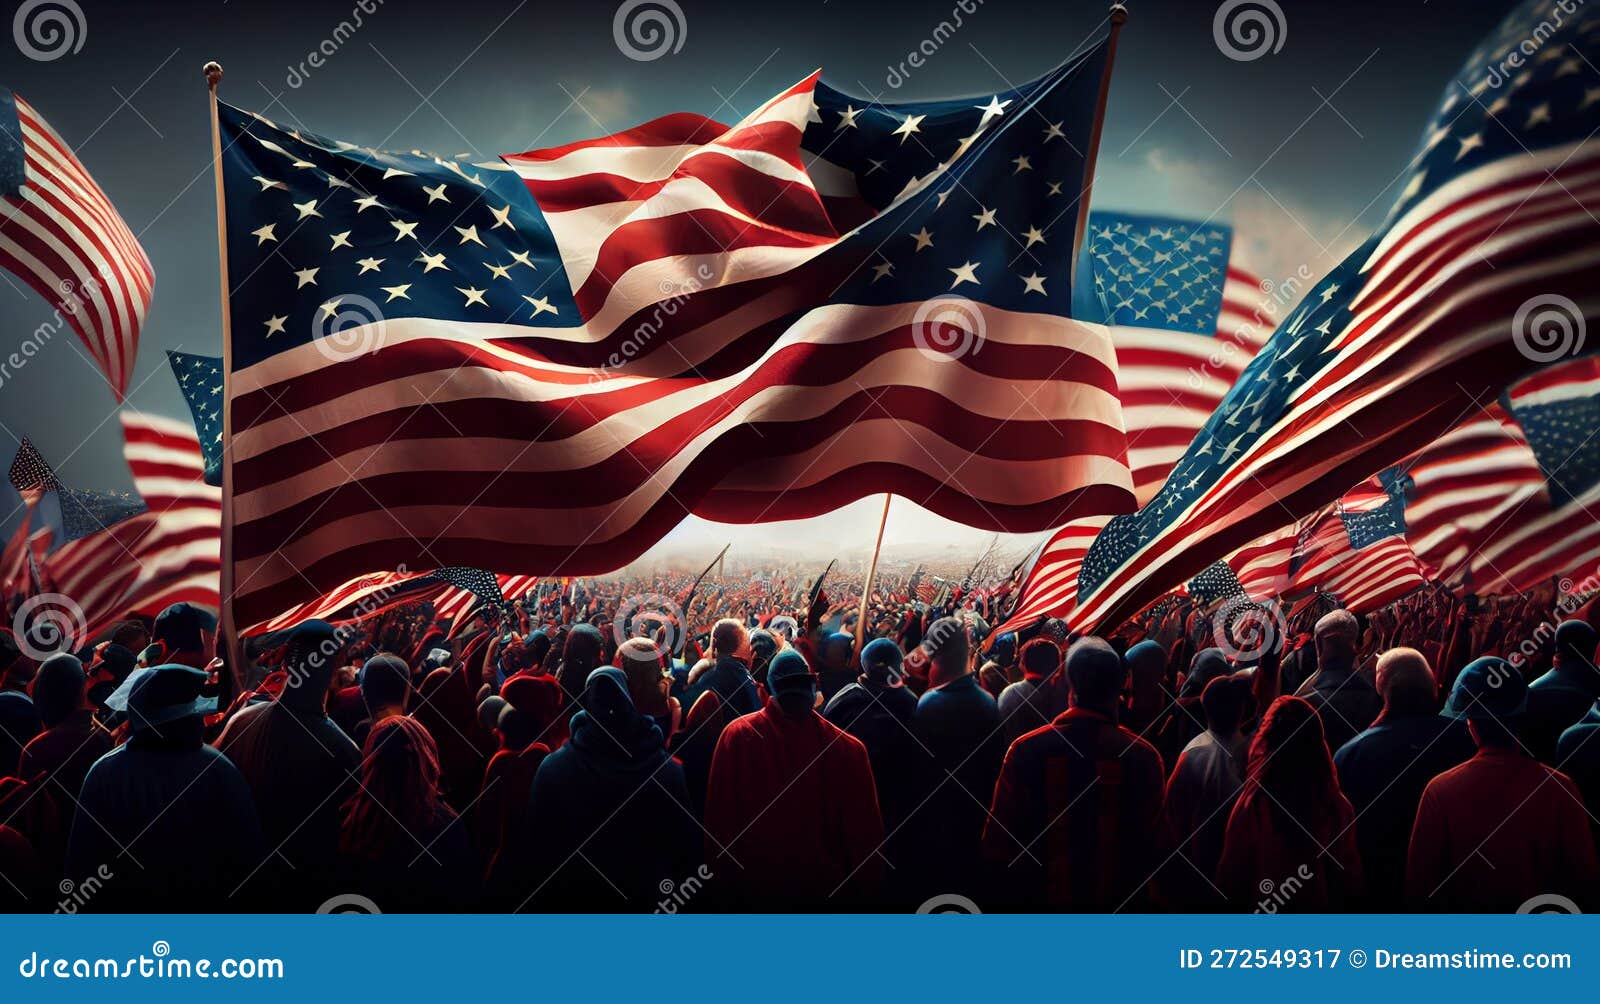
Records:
x=63, y=237
x=1263, y=566
x=1050, y=589
x=455, y=603
x=1363, y=580
x=181, y=560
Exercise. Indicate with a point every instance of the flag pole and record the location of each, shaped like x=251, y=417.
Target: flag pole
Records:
x=1118, y=16
x=872, y=570
x=227, y=630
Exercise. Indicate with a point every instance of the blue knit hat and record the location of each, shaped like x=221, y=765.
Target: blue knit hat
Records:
x=788, y=667
x=1489, y=688
x=882, y=658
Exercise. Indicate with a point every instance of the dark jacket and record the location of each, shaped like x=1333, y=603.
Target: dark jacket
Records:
x=1346, y=703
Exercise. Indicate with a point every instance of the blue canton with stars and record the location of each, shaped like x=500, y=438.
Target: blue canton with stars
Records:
x=998, y=226
x=1540, y=105
x=317, y=226
x=200, y=380
x=1369, y=526
x=1153, y=272
x=481, y=584
x=13, y=155
x=85, y=512
x=1218, y=582
x=1562, y=437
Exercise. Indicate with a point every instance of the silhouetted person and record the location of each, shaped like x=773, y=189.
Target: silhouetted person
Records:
x=1200, y=795
x=1339, y=694
x=385, y=684
x=1560, y=698
x=61, y=755
x=1024, y=705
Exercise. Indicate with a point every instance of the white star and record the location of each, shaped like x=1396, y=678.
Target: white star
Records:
x=994, y=108
x=1055, y=188
x=369, y=202
x=275, y=326
x=1413, y=186
x=473, y=296
x=331, y=307
x=1023, y=164
x=435, y=194
x=1033, y=284
x=985, y=218
x=966, y=273
x=908, y=127
x=944, y=195
x=431, y=262
x=923, y=239
x=1590, y=96
x=341, y=240
x=404, y=230
x=395, y=172
x=1539, y=113
x=306, y=277
x=338, y=182
x=470, y=235
x=521, y=258
x=396, y=292
x=265, y=234
x=1054, y=132
x=1328, y=291
x=1469, y=144
x=267, y=183
x=499, y=271
x=502, y=217
x=847, y=118
x=1034, y=236
x=882, y=270
x=369, y=265
x=541, y=305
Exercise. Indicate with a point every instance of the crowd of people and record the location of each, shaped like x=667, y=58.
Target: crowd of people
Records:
x=764, y=752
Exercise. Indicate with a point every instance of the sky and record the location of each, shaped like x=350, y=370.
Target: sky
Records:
x=1301, y=148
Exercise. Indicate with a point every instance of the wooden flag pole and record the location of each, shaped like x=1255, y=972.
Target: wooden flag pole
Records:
x=1118, y=16
x=872, y=570
x=227, y=631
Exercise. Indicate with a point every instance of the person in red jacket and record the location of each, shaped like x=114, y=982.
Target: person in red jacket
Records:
x=792, y=817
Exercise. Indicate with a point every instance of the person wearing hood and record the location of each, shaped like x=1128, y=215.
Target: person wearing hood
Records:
x=1077, y=803
x=1502, y=828
x=1200, y=794
x=763, y=646
x=1024, y=704
x=170, y=816
x=609, y=812
x=792, y=817
x=650, y=683
x=581, y=652
x=385, y=685
x=500, y=816
x=1561, y=697
x=300, y=766
x=61, y=755
x=1339, y=693
x=1383, y=770
x=1186, y=718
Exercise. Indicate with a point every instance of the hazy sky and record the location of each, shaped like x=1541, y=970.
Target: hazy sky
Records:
x=1300, y=148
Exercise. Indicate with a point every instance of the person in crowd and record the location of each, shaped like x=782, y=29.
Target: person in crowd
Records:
x=172, y=818
x=582, y=651
x=385, y=684
x=834, y=671
x=19, y=723
x=1339, y=694
x=300, y=767
x=445, y=708
x=792, y=817
x=1022, y=705
x=1186, y=718
x=650, y=683
x=398, y=843
x=608, y=811
x=1501, y=829
x=1290, y=843
x=1578, y=756
x=1147, y=695
x=185, y=635
x=61, y=755
x=1560, y=698
x=1077, y=804
x=525, y=731
x=1383, y=770
x=1200, y=795
x=763, y=646
x=728, y=676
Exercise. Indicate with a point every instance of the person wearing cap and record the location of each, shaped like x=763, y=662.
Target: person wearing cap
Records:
x=1077, y=804
x=1501, y=828
x=1340, y=695
x=72, y=740
x=1561, y=697
x=791, y=809
x=185, y=635
x=607, y=813
x=300, y=766
x=170, y=816
x=1383, y=770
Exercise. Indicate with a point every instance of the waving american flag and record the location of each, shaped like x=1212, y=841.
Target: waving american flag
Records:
x=541, y=364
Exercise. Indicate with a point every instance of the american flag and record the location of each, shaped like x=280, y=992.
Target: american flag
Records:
x=1186, y=314
x=19, y=563
x=1050, y=588
x=1497, y=212
x=61, y=235
x=200, y=382
x=1358, y=550
x=362, y=596
x=30, y=473
x=578, y=347
x=455, y=603
x=84, y=512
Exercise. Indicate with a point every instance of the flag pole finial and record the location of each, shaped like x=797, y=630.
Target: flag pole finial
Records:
x=1119, y=14
x=213, y=72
